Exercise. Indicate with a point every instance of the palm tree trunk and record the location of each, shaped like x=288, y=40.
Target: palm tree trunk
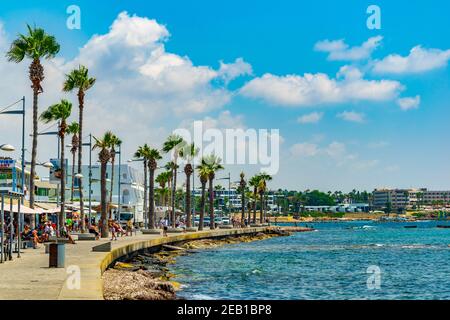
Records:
x=111, y=186
x=34, y=147
x=254, y=205
x=152, y=199
x=174, y=186
x=243, y=208
x=261, y=209
x=145, y=211
x=73, y=176
x=63, y=184
x=80, y=160
x=188, y=201
x=202, y=204
x=211, y=205
x=103, y=193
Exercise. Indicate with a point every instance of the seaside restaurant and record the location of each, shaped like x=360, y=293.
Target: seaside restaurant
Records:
x=11, y=223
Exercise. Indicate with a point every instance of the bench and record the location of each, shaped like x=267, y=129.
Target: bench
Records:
x=86, y=237
x=175, y=230
x=151, y=231
x=225, y=226
x=27, y=244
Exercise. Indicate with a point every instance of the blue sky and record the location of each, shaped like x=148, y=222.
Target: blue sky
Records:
x=353, y=140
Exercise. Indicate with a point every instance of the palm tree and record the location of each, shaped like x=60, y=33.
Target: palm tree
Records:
x=79, y=79
x=60, y=112
x=73, y=129
x=142, y=153
x=153, y=156
x=213, y=164
x=249, y=195
x=115, y=142
x=37, y=44
x=103, y=144
x=242, y=186
x=261, y=190
x=173, y=143
x=203, y=173
x=169, y=167
x=254, y=182
x=162, y=179
x=188, y=153
x=264, y=177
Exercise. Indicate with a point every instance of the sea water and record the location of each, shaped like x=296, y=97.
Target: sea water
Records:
x=334, y=262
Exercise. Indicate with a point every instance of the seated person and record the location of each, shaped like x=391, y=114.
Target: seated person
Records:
x=94, y=229
x=26, y=233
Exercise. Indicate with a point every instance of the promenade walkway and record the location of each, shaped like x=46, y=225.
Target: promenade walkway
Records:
x=29, y=277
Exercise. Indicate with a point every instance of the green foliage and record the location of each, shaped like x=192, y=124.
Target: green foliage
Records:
x=35, y=45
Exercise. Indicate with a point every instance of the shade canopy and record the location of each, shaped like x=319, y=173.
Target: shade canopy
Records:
x=23, y=209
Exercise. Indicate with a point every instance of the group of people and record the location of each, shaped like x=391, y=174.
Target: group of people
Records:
x=43, y=232
x=115, y=229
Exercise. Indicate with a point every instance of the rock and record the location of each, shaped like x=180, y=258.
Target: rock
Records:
x=139, y=285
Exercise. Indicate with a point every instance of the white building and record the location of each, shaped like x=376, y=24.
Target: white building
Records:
x=131, y=197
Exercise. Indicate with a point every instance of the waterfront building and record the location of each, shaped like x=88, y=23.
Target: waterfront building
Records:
x=130, y=197
x=408, y=198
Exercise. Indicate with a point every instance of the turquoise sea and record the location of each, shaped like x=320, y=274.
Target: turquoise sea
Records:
x=330, y=263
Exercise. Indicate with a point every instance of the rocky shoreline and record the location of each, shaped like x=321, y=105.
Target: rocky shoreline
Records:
x=146, y=276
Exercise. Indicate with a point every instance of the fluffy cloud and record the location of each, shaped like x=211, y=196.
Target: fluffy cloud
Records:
x=140, y=85
x=336, y=152
x=313, y=117
x=419, y=60
x=409, y=103
x=352, y=116
x=230, y=71
x=338, y=50
x=319, y=88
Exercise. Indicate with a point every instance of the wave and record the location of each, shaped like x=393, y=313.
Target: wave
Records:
x=201, y=296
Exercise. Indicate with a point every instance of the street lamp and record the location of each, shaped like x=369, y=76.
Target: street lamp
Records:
x=19, y=112
x=47, y=165
x=229, y=191
x=7, y=148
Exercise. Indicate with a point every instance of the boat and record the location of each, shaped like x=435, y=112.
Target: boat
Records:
x=409, y=227
x=443, y=226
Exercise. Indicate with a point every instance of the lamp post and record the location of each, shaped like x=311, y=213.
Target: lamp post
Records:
x=20, y=112
x=120, y=184
x=229, y=191
x=89, y=144
x=52, y=133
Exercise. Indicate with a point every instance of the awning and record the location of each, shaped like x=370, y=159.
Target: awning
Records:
x=52, y=210
x=23, y=209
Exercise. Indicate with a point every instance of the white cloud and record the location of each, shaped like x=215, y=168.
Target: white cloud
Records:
x=315, y=89
x=313, y=117
x=304, y=149
x=230, y=71
x=419, y=60
x=352, y=116
x=140, y=86
x=336, y=149
x=409, y=103
x=338, y=50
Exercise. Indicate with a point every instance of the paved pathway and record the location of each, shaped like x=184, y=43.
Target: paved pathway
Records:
x=29, y=277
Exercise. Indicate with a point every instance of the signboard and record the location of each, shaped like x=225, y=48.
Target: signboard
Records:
x=8, y=174
x=55, y=172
